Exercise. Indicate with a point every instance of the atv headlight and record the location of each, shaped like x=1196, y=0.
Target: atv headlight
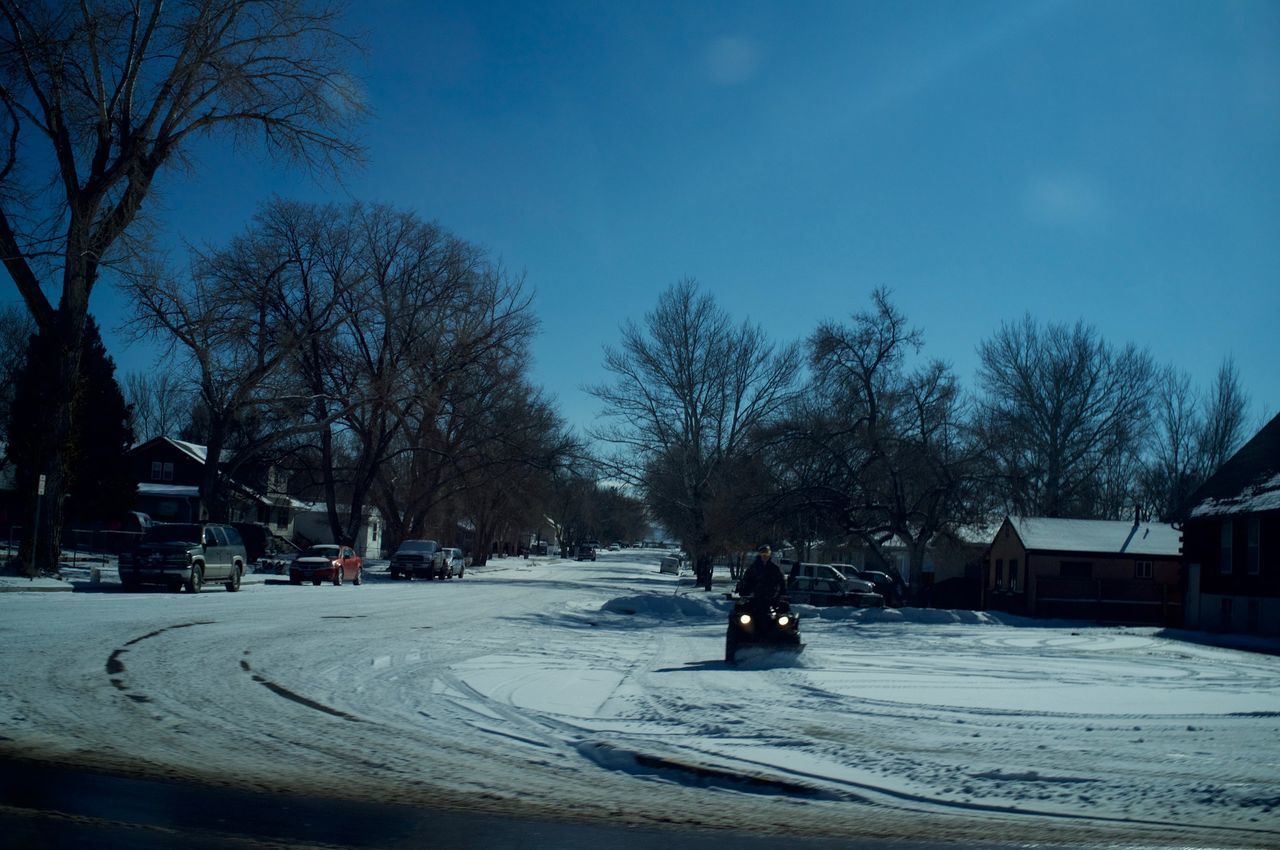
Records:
x=745, y=619
x=783, y=620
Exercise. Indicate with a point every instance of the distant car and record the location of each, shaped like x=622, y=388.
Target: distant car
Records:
x=614, y=547
x=327, y=562
x=185, y=555
x=419, y=558
x=586, y=552
x=892, y=589
x=456, y=560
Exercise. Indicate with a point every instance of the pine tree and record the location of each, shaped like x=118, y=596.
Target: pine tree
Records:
x=101, y=483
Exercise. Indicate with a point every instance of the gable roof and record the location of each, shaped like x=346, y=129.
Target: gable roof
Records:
x=1097, y=536
x=1249, y=482
x=195, y=451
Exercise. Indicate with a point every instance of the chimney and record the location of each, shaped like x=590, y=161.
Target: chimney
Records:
x=1137, y=515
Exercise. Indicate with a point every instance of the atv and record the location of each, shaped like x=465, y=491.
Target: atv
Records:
x=768, y=624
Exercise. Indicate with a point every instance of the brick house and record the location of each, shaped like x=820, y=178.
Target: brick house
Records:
x=1231, y=541
x=1086, y=569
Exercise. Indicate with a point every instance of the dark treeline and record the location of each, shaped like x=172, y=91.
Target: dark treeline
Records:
x=854, y=435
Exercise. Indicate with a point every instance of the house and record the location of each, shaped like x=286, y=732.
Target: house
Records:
x=1086, y=569
x=1231, y=541
x=310, y=523
x=169, y=473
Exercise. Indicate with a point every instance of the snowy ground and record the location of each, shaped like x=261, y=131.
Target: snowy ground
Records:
x=554, y=688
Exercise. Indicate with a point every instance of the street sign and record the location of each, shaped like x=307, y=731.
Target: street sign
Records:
x=40, y=490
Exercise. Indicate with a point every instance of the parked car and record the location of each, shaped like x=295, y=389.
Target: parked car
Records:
x=418, y=558
x=185, y=555
x=823, y=584
x=891, y=588
x=456, y=560
x=614, y=547
x=669, y=565
x=327, y=562
x=586, y=552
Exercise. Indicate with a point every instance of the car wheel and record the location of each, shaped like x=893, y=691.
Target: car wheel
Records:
x=462, y=571
x=196, y=581
x=315, y=582
x=337, y=576
x=233, y=583
x=359, y=579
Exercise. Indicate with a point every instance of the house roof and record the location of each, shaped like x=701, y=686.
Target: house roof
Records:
x=1249, y=482
x=195, y=451
x=1097, y=536
x=181, y=490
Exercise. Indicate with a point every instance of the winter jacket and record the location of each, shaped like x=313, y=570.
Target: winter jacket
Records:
x=763, y=579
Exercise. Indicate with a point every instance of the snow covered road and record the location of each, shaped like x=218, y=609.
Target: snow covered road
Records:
x=597, y=690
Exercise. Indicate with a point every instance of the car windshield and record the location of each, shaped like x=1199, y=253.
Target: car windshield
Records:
x=174, y=533
x=322, y=551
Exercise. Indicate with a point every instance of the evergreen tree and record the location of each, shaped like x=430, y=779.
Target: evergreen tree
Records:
x=101, y=483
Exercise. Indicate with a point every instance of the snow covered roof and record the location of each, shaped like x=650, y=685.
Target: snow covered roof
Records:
x=1262, y=495
x=197, y=451
x=182, y=490
x=1249, y=482
x=1099, y=536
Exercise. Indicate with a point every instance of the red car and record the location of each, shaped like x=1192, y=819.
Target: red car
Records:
x=327, y=562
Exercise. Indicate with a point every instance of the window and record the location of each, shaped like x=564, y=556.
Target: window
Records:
x=1013, y=573
x=1224, y=548
x=1076, y=569
x=1142, y=569
x=168, y=472
x=156, y=468
x=1254, y=559
x=999, y=573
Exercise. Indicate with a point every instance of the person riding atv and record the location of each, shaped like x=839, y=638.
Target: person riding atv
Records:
x=761, y=614
x=763, y=580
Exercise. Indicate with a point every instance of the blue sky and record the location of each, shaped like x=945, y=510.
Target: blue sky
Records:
x=1116, y=162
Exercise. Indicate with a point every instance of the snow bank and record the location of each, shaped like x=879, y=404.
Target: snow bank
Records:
x=667, y=607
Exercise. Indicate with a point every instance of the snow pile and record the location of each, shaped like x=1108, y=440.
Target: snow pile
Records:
x=667, y=607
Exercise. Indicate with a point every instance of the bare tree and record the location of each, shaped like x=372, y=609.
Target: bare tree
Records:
x=477, y=325
x=1061, y=407
x=883, y=451
x=689, y=390
x=1194, y=435
x=1223, y=425
x=161, y=403
x=237, y=319
x=95, y=99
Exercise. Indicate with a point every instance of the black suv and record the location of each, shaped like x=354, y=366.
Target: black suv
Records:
x=185, y=554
